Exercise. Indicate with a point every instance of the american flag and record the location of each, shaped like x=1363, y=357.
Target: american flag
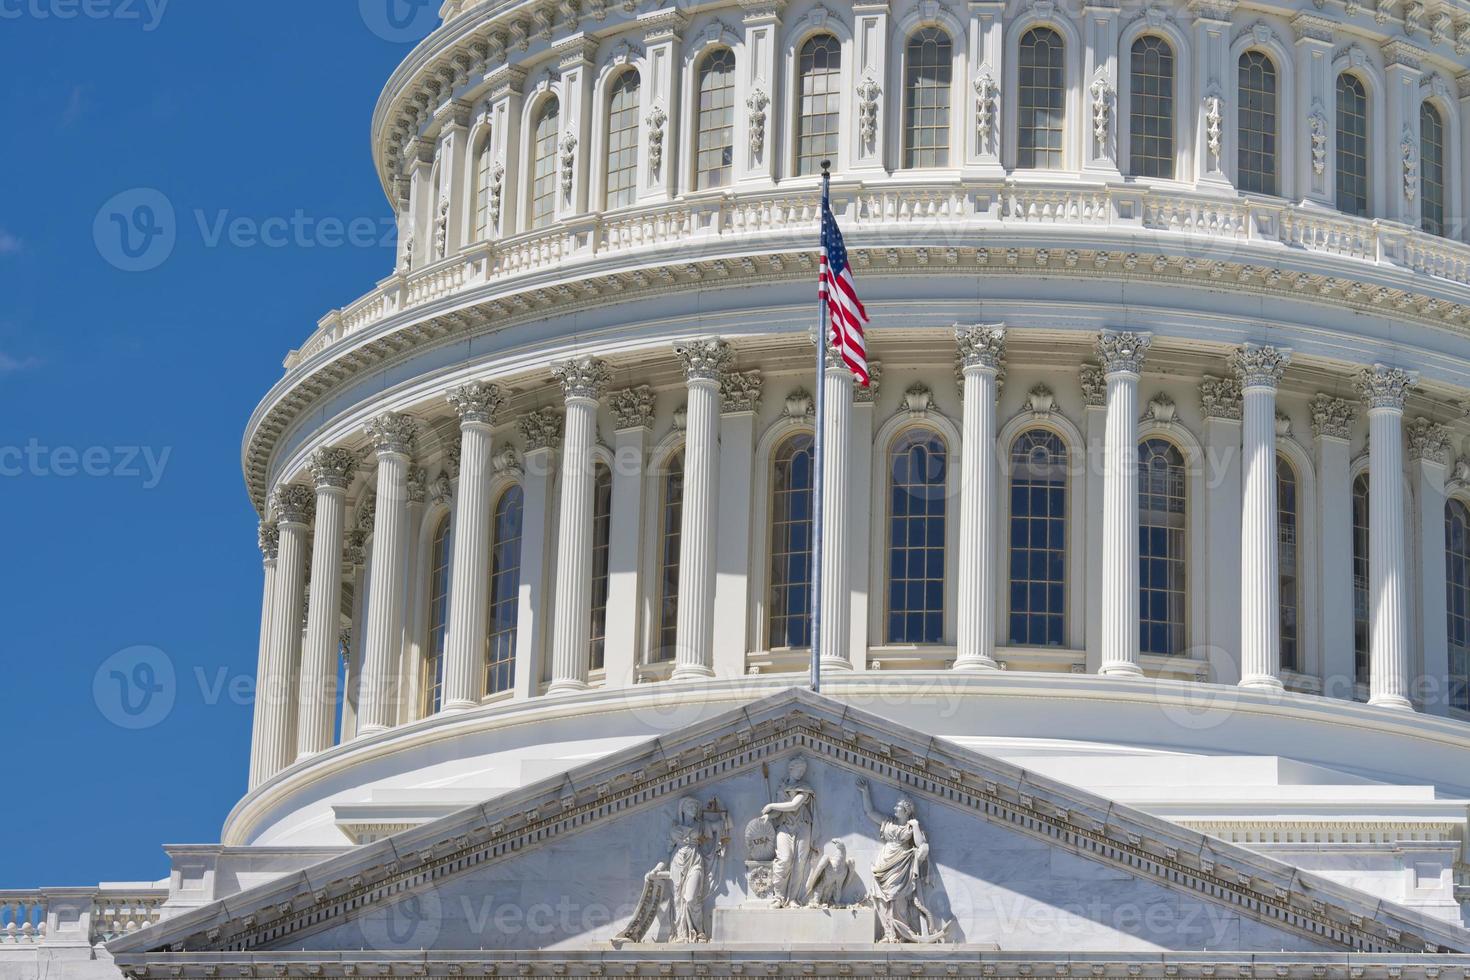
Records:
x=845, y=311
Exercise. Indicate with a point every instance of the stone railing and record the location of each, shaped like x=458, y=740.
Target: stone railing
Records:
x=76, y=916
x=1205, y=225
x=22, y=918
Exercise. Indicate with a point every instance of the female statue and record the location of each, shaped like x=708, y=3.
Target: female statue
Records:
x=900, y=873
x=695, y=834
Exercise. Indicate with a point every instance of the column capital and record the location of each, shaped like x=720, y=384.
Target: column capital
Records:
x=741, y=391
x=540, y=429
x=476, y=402
x=981, y=345
x=1332, y=418
x=1122, y=351
x=1382, y=386
x=632, y=408
x=332, y=467
x=269, y=538
x=1220, y=398
x=1260, y=365
x=293, y=504
x=866, y=396
x=582, y=377
x=1094, y=386
x=392, y=433
x=1428, y=441
x=703, y=360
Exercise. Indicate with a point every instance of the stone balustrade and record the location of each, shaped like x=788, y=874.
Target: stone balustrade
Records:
x=76, y=916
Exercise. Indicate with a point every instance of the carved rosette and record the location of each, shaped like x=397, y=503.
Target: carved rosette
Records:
x=703, y=360
x=1332, y=418
x=541, y=429
x=476, y=402
x=866, y=396
x=981, y=346
x=1122, y=351
x=1094, y=386
x=740, y=391
x=332, y=468
x=269, y=538
x=1385, y=387
x=1260, y=365
x=1428, y=441
x=1220, y=398
x=392, y=433
x=632, y=408
x=582, y=377
x=293, y=504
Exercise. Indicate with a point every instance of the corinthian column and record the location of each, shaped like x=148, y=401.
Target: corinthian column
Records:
x=293, y=506
x=704, y=362
x=981, y=349
x=393, y=438
x=582, y=382
x=836, y=594
x=469, y=580
x=332, y=471
x=270, y=538
x=1383, y=390
x=1122, y=357
x=1260, y=369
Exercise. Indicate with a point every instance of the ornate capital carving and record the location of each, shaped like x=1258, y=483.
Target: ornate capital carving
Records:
x=582, y=377
x=269, y=537
x=392, y=433
x=1260, y=365
x=418, y=484
x=866, y=396
x=1122, y=350
x=1332, y=418
x=1161, y=410
x=703, y=360
x=293, y=504
x=741, y=391
x=1428, y=441
x=1382, y=386
x=477, y=401
x=632, y=408
x=332, y=468
x=354, y=552
x=798, y=404
x=452, y=456
x=1094, y=386
x=981, y=346
x=1220, y=397
x=541, y=430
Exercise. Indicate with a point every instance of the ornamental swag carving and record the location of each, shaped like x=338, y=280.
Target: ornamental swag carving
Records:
x=757, y=105
x=986, y=94
x=868, y=92
x=1213, y=127
x=655, y=121
x=1102, y=105
x=1318, y=126
x=568, y=162
x=1410, y=150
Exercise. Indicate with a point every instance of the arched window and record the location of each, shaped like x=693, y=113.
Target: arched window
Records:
x=1161, y=547
x=1457, y=600
x=484, y=162
x=601, y=542
x=622, y=141
x=1352, y=145
x=1256, y=124
x=918, y=468
x=1038, y=555
x=433, y=672
x=668, y=563
x=1287, y=557
x=505, y=587
x=715, y=155
x=1043, y=93
x=927, y=74
x=1151, y=108
x=818, y=71
x=1360, y=578
x=543, y=165
x=1431, y=166
x=790, y=608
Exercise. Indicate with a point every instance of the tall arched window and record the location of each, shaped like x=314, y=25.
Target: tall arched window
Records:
x=505, y=587
x=1043, y=93
x=714, y=158
x=918, y=470
x=1457, y=600
x=818, y=74
x=601, y=543
x=1431, y=166
x=928, y=72
x=543, y=164
x=1151, y=108
x=1287, y=559
x=484, y=162
x=622, y=141
x=1256, y=124
x=1161, y=547
x=789, y=613
x=1360, y=578
x=1038, y=550
x=1352, y=145
x=432, y=682
x=668, y=562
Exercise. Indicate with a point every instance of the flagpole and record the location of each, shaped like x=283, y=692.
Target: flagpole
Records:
x=822, y=339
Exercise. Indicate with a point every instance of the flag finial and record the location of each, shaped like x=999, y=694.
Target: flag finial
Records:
x=826, y=168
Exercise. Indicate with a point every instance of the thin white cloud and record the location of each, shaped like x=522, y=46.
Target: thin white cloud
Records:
x=10, y=364
x=9, y=244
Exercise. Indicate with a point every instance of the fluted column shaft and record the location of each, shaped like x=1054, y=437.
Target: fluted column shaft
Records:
x=469, y=581
x=1259, y=369
x=836, y=595
x=393, y=440
x=582, y=382
x=1384, y=390
x=1122, y=359
x=293, y=506
x=704, y=361
x=331, y=468
x=269, y=545
x=981, y=349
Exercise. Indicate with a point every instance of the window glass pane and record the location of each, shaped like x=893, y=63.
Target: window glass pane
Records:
x=1360, y=577
x=1038, y=559
x=543, y=167
x=433, y=676
x=818, y=99
x=1151, y=108
x=1162, y=531
x=622, y=141
x=1431, y=165
x=1457, y=581
x=483, y=177
x=673, y=515
x=1043, y=94
x=918, y=467
x=715, y=152
x=1352, y=145
x=928, y=73
x=1256, y=124
x=505, y=587
x=789, y=608
x=1286, y=550
x=601, y=539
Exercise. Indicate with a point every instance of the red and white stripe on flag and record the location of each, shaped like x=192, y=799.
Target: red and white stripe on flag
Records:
x=846, y=318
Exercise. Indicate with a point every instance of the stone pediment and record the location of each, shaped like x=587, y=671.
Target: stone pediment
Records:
x=1015, y=860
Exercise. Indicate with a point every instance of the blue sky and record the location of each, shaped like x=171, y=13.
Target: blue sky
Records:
x=123, y=395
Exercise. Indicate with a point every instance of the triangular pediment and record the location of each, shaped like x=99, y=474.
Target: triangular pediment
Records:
x=1016, y=860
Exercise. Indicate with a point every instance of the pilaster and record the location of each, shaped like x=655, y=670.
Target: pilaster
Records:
x=1429, y=458
x=868, y=140
x=506, y=101
x=1215, y=123
x=1095, y=399
x=1220, y=399
x=632, y=410
x=1402, y=73
x=982, y=105
x=661, y=159
x=740, y=394
x=542, y=434
x=1316, y=108
x=1332, y=421
x=759, y=98
x=860, y=499
x=451, y=210
x=574, y=147
x=1099, y=25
